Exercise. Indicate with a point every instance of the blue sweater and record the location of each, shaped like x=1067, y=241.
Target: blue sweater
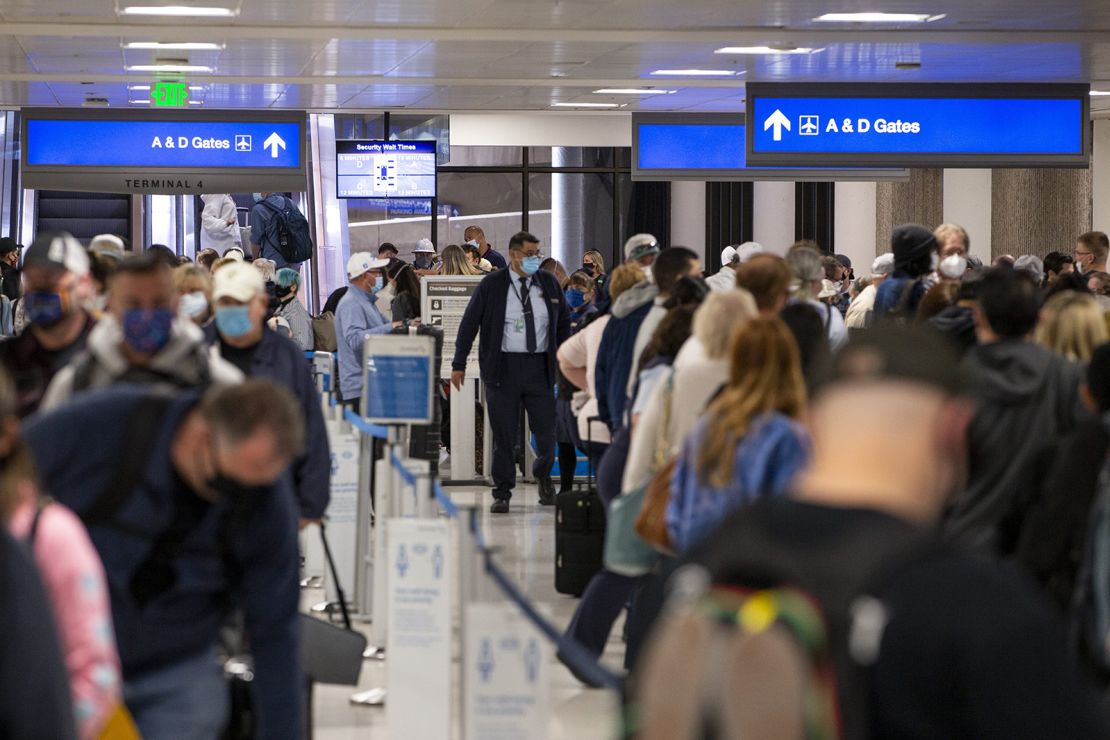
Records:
x=614, y=363
x=255, y=565
x=356, y=316
x=775, y=449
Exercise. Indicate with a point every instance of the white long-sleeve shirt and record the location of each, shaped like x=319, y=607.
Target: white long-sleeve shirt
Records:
x=215, y=231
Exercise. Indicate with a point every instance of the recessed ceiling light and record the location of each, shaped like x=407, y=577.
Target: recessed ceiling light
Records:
x=697, y=72
x=139, y=88
x=169, y=68
x=196, y=102
x=878, y=18
x=185, y=45
x=585, y=105
x=632, y=91
x=141, y=101
x=197, y=88
x=179, y=10
x=765, y=50
x=1099, y=93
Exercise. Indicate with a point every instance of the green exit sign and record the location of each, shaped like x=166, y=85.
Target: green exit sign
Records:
x=169, y=94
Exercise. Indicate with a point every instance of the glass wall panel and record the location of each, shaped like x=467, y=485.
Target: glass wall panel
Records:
x=492, y=200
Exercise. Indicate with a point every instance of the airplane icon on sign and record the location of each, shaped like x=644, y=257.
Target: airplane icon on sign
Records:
x=808, y=125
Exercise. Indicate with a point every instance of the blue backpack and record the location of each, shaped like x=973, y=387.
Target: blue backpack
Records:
x=288, y=232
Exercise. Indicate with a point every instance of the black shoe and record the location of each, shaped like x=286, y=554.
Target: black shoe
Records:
x=499, y=506
x=547, y=491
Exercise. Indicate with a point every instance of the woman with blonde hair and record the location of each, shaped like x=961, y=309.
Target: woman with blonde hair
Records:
x=194, y=292
x=1072, y=324
x=750, y=443
x=455, y=262
x=594, y=264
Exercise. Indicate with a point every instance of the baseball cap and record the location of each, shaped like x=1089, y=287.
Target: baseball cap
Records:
x=741, y=254
x=57, y=250
x=8, y=245
x=361, y=262
x=883, y=264
x=240, y=282
x=640, y=245
x=107, y=245
x=896, y=352
x=234, y=253
x=424, y=246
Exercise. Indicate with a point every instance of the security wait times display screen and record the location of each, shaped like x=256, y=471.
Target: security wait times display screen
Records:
x=385, y=169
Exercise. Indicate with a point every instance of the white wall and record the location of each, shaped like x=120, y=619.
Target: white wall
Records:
x=773, y=217
x=1100, y=163
x=688, y=216
x=967, y=202
x=541, y=129
x=854, y=223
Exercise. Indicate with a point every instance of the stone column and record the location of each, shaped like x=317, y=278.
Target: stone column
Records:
x=921, y=200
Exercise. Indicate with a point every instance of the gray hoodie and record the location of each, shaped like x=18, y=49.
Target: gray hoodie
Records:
x=178, y=363
x=633, y=298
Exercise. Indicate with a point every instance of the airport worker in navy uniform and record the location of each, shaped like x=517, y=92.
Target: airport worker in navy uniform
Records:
x=523, y=318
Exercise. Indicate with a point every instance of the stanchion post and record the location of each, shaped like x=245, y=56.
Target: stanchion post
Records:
x=363, y=585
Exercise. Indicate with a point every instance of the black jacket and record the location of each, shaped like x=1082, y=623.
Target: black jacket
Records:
x=11, y=286
x=282, y=361
x=1027, y=397
x=486, y=314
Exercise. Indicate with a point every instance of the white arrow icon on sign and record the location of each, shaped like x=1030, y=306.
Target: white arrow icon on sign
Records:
x=777, y=119
x=274, y=141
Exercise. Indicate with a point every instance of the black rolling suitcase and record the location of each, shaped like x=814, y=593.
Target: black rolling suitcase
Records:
x=579, y=537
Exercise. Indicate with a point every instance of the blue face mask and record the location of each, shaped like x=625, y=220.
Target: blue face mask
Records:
x=234, y=321
x=575, y=298
x=147, y=330
x=530, y=265
x=378, y=284
x=43, y=308
x=257, y=197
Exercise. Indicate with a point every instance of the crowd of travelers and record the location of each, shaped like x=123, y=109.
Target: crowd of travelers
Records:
x=838, y=506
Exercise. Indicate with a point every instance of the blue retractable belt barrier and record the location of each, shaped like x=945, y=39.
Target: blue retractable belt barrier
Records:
x=372, y=430
x=570, y=652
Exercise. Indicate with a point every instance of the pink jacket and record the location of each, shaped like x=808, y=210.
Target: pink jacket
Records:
x=74, y=579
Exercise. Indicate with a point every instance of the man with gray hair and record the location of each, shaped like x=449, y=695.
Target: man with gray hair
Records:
x=731, y=259
x=860, y=310
x=1031, y=264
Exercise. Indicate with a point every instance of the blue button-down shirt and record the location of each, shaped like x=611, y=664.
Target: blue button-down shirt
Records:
x=516, y=331
x=356, y=316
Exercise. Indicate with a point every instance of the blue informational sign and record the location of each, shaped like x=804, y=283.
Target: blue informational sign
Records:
x=711, y=146
x=677, y=146
x=385, y=169
x=955, y=125
x=398, y=379
x=163, y=143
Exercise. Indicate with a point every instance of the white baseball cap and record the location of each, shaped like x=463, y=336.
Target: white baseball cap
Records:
x=741, y=254
x=107, y=245
x=240, y=282
x=883, y=264
x=361, y=262
x=640, y=245
x=57, y=250
x=234, y=253
x=424, y=246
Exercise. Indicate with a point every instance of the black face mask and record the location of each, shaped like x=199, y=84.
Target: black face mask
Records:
x=231, y=489
x=283, y=291
x=588, y=269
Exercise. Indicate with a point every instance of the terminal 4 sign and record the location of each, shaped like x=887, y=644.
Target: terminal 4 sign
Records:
x=163, y=151
x=812, y=125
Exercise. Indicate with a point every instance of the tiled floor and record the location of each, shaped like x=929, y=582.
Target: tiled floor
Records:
x=525, y=541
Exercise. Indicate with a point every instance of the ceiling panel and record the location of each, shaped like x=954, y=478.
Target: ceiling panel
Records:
x=286, y=11
x=363, y=56
x=26, y=93
x=442, y=13
x=317, y=96
x=389, y=96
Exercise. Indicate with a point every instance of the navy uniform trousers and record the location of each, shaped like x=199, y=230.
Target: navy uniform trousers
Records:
x=524, y=384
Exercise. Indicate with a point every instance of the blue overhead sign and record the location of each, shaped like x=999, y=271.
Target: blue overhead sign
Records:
x=154, y=151
x=908, y=125
x=180, y=143
x=710, y=146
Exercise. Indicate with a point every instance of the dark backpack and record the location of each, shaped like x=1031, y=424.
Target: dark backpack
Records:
x=779, y=644
x=288, y=232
